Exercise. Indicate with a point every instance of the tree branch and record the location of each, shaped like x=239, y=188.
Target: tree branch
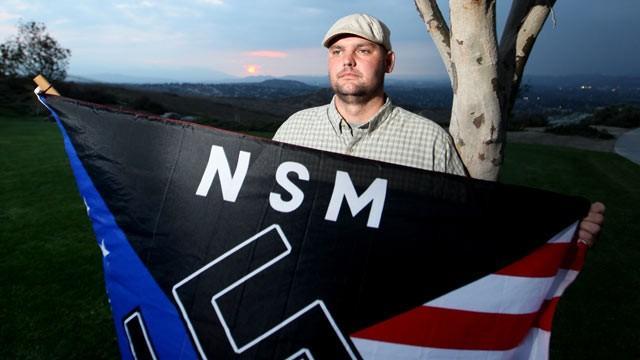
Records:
x=437, y=27
x=524, y=23
x=528, y=33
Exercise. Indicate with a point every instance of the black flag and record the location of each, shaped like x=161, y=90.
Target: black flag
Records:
x=221, y=245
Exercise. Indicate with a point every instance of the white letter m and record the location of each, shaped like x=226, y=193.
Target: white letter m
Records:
x=343, y=188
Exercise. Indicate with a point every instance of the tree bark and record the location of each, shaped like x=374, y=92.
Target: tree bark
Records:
x=484, y=77
x=525, y=22
x=476, y=118
x=437, y=27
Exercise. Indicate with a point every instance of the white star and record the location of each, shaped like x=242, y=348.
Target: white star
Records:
x=104, y=250
x=86, y=205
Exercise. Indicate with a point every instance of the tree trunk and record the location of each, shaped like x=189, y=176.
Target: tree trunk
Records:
x=484, y=77
x=476, y=116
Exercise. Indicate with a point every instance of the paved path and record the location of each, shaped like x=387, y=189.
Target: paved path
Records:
x=628, y=145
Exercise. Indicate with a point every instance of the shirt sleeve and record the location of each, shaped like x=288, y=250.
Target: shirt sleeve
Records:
x=448, y=160
x=292, y=130
x=280, y=134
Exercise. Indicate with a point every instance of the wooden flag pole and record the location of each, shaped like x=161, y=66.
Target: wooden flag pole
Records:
x=44, y=86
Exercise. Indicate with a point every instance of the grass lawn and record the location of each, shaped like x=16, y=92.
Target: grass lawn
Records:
x=599, y=316
x=52, y=298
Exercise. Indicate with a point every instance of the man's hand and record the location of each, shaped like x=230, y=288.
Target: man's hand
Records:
x=591, y=225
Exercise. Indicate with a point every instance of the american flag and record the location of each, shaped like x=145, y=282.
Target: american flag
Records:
x=505, y=315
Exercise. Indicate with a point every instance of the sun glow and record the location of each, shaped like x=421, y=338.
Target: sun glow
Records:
x=252, y=69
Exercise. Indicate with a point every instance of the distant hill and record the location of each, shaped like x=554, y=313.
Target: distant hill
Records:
x=285, y=84
x=265, y=104
x=154, y=75
x=271, y=89
x=320, y=81
x=120, y=79
x=583, y=80
x=80, y=79
x=227, y=113
x=207, y=76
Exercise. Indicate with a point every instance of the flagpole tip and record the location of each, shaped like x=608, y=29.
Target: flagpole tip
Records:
x=44, y=87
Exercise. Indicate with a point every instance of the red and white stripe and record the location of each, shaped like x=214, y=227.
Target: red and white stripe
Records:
x=505, y=315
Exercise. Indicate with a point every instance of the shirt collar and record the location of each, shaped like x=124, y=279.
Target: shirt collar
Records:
x=376, y=120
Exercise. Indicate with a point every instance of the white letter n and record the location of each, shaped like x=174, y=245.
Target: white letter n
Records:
x=343, y=188
x=218, y=163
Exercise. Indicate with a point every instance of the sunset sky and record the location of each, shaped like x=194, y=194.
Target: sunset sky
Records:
x=207, y=39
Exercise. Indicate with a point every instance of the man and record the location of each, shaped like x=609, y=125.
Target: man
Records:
x=361, y=120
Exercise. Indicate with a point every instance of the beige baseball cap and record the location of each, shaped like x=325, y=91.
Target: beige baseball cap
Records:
x=362, y=25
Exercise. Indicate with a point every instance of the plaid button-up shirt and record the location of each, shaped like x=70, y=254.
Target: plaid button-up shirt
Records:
x=392, y=135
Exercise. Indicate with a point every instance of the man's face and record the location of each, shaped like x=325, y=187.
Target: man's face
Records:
x=357, y=67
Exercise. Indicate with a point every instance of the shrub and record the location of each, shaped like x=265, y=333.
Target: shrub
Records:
x=90, y=93
x=143, y=103
x=626, y=116
x=520, y=121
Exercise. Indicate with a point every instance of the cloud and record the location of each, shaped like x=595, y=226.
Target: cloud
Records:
x=121, y=39
x=18, y=5
x=212, y=2
x=308, y=61
x=310, y=11
x=272, y=54
x=60, y=21
x=150, y=13
x=5, y=15
x=135, y=13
